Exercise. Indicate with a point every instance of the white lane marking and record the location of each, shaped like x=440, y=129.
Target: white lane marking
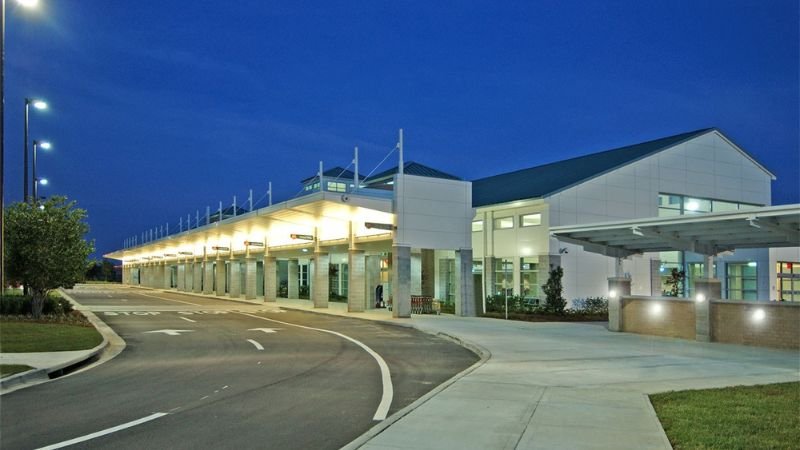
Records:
x=169, y=299
x=188, y=319
x=104, y=432
x=170, y=332
x=386, y=376
x=265, y=330
x=258, y=346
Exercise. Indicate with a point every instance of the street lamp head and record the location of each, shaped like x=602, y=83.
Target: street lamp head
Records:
x=43, y=181
x=28, y=3
x=39, y=104
x=45, y=145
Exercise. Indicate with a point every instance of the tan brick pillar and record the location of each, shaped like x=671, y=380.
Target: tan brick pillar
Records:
x=706, y=290
x=618, y=287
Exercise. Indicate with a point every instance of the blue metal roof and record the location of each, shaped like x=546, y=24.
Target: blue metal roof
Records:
x=412, y=168
x=335, y=172
x=548, y=179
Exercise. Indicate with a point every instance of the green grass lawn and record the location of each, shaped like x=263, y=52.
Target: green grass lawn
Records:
x=18, y=337
x=741, y=417
x=11, y=369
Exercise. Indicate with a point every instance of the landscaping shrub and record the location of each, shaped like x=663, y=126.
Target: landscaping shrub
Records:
x=591, y=305
x=23, y=305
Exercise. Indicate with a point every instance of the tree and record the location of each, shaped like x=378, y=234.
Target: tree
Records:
x=553, y=291
x=675, y=282
x=45, y=246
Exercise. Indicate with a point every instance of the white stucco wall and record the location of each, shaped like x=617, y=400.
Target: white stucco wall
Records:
x=708, y=166
x=433, y=213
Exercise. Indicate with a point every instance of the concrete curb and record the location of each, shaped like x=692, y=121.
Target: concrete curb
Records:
x=484, y=355
x=111, y=346
x=114, y=344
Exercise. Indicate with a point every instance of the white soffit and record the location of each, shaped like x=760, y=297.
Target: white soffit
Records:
x=707, y=234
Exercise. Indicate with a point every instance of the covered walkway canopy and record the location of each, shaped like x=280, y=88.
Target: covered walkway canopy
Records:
x=707, y=234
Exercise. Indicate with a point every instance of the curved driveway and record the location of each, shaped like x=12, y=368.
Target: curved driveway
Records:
x=225, y=375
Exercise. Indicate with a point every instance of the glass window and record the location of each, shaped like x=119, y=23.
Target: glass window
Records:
x=477, y=225
x=719, y=206
x=669, y=261
x=334, y=186
x=742, y=281
x=529, y=278
x=696, y=205
x=503, y=277
x=477, y=267
x=503, y=223
x=788, y=281
x=530, y=220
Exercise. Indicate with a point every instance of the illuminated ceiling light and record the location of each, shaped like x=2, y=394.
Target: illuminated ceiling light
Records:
x=28, y=3
x=692, y=205
x=752, y=264
x=305, y=250
x=759, y=315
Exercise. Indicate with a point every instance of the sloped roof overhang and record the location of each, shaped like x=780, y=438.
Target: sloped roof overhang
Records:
x=325, y=215
x=706, y=234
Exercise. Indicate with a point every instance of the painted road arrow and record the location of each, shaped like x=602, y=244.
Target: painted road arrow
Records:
x=266, y=330
x=170, y=332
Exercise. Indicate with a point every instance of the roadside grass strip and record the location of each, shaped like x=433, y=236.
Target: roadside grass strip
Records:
x=740, y=417
x=21, y=337
x=11, y=369
x=386, y=376
x=98, y=434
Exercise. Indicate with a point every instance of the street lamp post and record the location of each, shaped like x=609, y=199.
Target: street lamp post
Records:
x=45, y=146
x=25, y=3
x=38, y=104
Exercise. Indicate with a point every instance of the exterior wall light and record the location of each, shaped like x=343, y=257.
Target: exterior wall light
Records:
x=656, y=309
x=612, y=294
x=700, y=297
x=759, y=315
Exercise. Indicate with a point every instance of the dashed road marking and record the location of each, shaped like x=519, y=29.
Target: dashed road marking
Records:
x=256, y=344
x=130, y=424
x=188, y=319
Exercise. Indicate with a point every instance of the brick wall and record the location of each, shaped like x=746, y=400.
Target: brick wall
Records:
x=736, y=323
x=659, y=317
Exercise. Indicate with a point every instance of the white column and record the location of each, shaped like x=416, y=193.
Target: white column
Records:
x=465, y=289
x=356, y=281
x=321, y=284
x=270, y=279
x=401, y=281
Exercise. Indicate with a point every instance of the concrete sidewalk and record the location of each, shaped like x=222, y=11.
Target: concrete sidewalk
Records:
x=564, y=385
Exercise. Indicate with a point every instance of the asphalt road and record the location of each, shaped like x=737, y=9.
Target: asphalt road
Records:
x=208, y=373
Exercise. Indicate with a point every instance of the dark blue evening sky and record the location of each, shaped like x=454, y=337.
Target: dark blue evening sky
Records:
x=159, y=108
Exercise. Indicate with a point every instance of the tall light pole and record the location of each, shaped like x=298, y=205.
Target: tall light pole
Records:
x=45, y=146
x=38, y=104
x=26, y=3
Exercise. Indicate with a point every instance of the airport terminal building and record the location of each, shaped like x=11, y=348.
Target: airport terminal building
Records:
x=417, y=231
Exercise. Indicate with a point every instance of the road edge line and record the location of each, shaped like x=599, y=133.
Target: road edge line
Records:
x=484, y=355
